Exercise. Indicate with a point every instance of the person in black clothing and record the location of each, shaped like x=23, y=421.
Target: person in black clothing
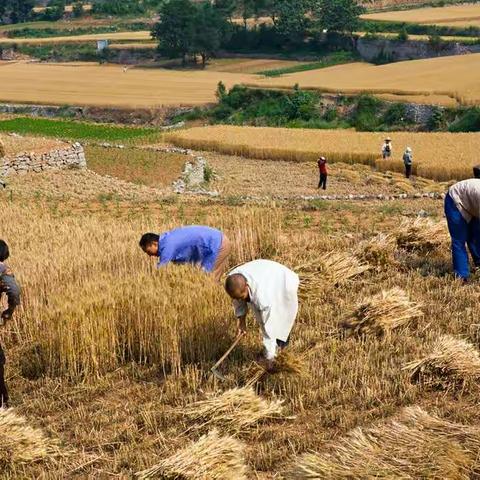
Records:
x=8, y=285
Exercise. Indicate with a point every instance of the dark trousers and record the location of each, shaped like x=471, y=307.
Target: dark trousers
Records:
x=3, y=386
x=408, y=170
x=323, y=181
x=463, y=234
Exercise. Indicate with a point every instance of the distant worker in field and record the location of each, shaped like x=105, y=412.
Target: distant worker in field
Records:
x=271, y=290
x=408, y=161
x=387, y=148
x=462, y=209
x=8, y=285
x=322, y=168
x=198, y=245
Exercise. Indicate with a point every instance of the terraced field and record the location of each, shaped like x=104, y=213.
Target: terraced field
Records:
x=455, y=15
x=440, y=156
x=456, y=77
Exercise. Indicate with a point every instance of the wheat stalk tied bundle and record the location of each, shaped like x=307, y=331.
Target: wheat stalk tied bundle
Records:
x=421, y=234
x=212, y=457
x=382, y=313
x=21, y=443
x=413, y=445
x=452, y=361
x=234, y=410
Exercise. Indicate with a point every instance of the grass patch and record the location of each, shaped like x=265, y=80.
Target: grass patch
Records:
x=72, y=130
x=143, y=167
x=336, y=58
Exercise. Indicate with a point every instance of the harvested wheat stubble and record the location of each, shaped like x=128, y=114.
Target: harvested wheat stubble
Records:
x=452, y=361
x=21, y=443
x=411, y=446
x=212, y=457
x=379, y=251
x=235, y=410
x=421, y=234
x=382, y=313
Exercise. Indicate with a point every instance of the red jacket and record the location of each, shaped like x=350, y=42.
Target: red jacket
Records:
x=322, y=166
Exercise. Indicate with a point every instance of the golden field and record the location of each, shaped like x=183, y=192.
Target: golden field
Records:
x=110, y=358
x=455, y=15
x=91, y=84
x=441, y=156
x=457, y=77
x=114, y=36
x=442, y=81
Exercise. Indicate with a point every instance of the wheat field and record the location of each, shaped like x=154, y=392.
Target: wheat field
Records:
x=455, y=15
x=112, y=36
x=91, y=84
x=457, y=77
x=110, y=358
x=440, y=156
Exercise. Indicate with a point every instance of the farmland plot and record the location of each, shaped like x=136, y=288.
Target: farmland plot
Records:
x=440, y=156
x=455, y=15
x=91, y=84
x=456, y=77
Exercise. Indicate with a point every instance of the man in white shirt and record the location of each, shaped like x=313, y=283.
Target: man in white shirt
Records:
x=271, y=291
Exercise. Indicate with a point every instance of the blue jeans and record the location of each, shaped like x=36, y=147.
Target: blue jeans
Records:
x=462, y=233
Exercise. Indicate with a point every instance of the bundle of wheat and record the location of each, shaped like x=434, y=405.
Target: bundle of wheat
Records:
x=333, y=268
x=233, y=410
x=421, y=234
x=212, y=457
x=2, y=149
x=20, y=443
x=452, y=361
x=379, y=251
x=382, y=313
x=441, y=450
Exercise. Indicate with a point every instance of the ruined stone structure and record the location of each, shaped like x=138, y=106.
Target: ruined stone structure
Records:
x=71, y=156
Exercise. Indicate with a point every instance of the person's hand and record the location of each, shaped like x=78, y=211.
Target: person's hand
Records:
x=268, y=364
x=6, y=315
x=241, y=327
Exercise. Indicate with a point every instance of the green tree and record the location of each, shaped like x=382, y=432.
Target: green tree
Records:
x=77, y=10
x=209, y=31
x=290, y=18
x=341, y=16
x=15, y=11
x=176, y=29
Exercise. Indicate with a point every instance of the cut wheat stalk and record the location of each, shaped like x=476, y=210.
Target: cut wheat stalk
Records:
x=451, y=362
x=212, y=457
x=335, y=268
x=378, y=251
x=421, y=234
x=233, y=410
x=382, y=313
x=441, y=450
x=21, y=443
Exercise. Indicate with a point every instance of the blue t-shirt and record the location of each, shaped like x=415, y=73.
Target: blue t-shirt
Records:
x=194, y=244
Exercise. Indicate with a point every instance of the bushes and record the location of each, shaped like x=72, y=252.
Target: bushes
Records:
x=469, y=121
x=366, y=116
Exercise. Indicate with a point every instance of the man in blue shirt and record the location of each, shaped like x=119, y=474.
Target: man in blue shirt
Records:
x=196, y=244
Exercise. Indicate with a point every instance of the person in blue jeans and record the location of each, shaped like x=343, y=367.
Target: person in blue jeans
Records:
x=462, y=209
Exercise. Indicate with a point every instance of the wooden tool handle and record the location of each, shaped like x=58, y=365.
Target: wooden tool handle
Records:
x=227, y=353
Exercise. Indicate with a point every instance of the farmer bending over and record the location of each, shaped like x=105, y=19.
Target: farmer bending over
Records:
x=197, y=245
x=462, y=209
x=271, y=290
x=9, y=286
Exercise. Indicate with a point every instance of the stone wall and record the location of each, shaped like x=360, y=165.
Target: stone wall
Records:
x=394, y=50
x=72, y=156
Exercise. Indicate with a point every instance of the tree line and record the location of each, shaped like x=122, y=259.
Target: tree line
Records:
x=189, y=29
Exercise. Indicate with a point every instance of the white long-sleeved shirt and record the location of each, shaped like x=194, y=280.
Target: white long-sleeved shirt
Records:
x=273, y=292
x=466, y=195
